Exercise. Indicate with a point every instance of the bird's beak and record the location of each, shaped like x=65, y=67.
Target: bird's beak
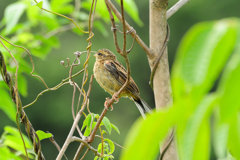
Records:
x=95, y=55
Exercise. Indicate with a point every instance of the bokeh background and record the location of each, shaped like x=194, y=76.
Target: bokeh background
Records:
x=52, y=112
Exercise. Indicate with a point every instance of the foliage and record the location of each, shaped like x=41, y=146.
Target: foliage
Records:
x=202, y=54
x=35, y=25
x=11, y=139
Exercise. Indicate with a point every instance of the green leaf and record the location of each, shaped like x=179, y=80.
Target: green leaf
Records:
x=40, y=4
x=62, y=6
x=220, y=137
x=42, y=135
x=229, y=88
x=107, y=124
x=22, y=85
x=194, y=141
x=115, y=128
x=111, y=145
x=146, y=134
x=234, y=136
x=5, y=153
x=87, y=121
x=98, y=25
x=196, y=67
x=7, y=105
x=131, y=8
x=12, y=14
x=16, y=143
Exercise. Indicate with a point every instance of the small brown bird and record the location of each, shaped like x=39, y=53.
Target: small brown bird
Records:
x=111, y=75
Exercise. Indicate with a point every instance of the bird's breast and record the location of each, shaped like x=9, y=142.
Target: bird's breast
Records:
x=105, y=79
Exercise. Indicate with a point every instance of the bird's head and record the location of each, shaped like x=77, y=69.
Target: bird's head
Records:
x=104, y=54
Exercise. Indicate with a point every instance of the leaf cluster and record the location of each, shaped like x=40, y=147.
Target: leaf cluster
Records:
x=205, y=110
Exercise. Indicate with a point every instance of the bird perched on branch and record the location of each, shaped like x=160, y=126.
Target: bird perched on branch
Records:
x=111, y=76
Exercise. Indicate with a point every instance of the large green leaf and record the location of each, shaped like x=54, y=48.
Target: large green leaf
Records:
x=201, y=56
x=229, y=88
x=143, y=139
x=194, y=138
x=234, y=136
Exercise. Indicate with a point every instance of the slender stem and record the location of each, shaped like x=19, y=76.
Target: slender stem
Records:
x=176, y=7
x=128, y=27
x=124, y=28
x=86, y=144
x=69, y=137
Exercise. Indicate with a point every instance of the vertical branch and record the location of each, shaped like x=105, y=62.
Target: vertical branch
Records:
x=161, y=79
x=114, y=29
x=124, y=28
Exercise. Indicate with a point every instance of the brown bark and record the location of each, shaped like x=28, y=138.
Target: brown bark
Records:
x=161, y=80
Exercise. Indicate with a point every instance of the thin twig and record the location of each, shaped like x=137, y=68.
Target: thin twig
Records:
x=128, y=27
x=79, y=150
x=64, y=81
x=113, y=142
x=59, y=30
x=110, y=102
x=176, y=7
x=124, y=28
x=23, y=117
x=69, y=137
x=56, y=145
x=85, y=154
x=159, y=56
x=31, y=60
x=78, y=116
x=70, y=19
x=165, y=148
x=86, y=144
x=113, y=29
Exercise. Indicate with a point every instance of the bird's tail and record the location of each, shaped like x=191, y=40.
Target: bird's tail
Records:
x=142, y=107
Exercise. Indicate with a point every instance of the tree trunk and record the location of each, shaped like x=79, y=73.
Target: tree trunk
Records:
x=161, y=80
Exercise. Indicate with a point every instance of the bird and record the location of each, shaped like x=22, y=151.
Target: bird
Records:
x=111, y=76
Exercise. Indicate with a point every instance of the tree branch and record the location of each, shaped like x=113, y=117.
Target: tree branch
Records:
x=176, y=7
x=128, y=27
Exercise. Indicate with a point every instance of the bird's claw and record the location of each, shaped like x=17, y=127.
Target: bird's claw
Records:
x=115, y=97
x=106, y=104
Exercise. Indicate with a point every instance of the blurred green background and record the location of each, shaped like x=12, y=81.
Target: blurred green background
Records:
x=52, y=112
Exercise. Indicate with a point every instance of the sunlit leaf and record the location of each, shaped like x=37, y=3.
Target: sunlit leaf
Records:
x=111, y=145
x=194, y=142
x=5, y=153
x=229, y=88
x=15, y=132
x=115, y=128
x=234, y=136
x=146, y=134
x=196, y=67
x=42, y=135
x=220, y=137
x=40, y=4
x=7, y=105
x=86, y=122
x=12, y=14
x=131, y=8
x=62, y=6
x=22, y=85
x=107, y=124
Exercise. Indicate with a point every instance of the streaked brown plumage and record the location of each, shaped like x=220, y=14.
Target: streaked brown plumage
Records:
x=111, y=75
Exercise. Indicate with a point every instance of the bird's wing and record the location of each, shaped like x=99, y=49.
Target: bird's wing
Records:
x=120, y=74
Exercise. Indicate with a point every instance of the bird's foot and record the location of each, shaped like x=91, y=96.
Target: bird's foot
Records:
x=116, y=98
x=106, y=104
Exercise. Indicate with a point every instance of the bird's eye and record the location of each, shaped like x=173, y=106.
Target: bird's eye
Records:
x=99, y=54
